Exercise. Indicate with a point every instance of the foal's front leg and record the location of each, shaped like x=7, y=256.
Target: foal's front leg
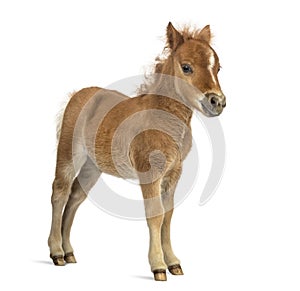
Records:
x=155, y=216
x=168, y=186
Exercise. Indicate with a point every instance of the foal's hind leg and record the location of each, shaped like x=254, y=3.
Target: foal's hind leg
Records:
x=86, y=179
x=168, y=186
x=61, y=190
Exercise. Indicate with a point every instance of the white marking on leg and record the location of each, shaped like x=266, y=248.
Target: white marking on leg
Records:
x=211, y=66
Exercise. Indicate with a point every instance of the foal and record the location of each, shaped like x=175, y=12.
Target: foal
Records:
x=145, y=137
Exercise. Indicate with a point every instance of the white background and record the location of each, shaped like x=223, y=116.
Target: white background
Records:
x=246, y=237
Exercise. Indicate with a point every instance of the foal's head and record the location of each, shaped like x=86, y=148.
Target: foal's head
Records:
x=195, y=62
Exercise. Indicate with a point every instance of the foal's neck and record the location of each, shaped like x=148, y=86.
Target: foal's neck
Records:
x=164, y=86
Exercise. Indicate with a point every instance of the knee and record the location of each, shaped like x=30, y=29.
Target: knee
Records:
x=60, y=189
x=155, y=222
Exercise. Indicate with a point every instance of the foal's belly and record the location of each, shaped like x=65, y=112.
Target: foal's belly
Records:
x=113, y=141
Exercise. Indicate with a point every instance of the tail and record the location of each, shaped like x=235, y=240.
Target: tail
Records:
x=60, y=114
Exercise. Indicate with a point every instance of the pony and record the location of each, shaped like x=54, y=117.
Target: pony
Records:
x=146, y=137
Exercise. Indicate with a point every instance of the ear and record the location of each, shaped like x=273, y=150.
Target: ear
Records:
x=205, y=34
x=174, y=38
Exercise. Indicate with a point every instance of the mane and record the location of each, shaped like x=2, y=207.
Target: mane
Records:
x=191, y=32
x=151, y=79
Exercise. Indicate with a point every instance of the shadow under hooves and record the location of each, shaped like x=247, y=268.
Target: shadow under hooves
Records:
x=42, y=262
x=143, y=277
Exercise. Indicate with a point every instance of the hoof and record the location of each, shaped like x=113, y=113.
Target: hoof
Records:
x=160, y=275
x=58, y=260
x=175, y=270
x=70, y=258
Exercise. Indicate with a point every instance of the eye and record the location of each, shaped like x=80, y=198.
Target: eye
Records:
x=187, y=69
x=220, y=67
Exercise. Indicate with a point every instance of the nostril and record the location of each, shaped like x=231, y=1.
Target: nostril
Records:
x=214, y=101
x=224, y=105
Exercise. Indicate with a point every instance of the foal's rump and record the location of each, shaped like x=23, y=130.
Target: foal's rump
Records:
x=81, y=118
